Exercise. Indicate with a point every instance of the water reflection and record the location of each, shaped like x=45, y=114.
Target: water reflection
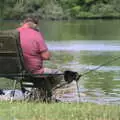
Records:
x=81, y=45
x=100, y=80
x=81, y=30
x=101, y=85
x=74, y=30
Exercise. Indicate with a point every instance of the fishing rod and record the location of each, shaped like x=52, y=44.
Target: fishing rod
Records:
x=80, y=75
x=68, y=72
x=69, y=76
x=105, y=63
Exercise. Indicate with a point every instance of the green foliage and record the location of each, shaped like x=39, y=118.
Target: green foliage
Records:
x=75, y=10
x=88, y=1
x=51, y=11
x=116, y=5
x=85, y=14
x=59, y=9
x=18, y=10
x=102, y=10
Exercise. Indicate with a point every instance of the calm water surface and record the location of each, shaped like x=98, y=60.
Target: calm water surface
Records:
x=83, y=46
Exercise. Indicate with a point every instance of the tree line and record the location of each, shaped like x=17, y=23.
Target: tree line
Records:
x=60, y=9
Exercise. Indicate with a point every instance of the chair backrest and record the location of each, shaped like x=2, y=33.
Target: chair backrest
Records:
x=10, y=61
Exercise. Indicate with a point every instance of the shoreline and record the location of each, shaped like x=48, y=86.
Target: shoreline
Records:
x=66, y=19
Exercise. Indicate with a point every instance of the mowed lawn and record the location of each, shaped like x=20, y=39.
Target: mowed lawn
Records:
x=58, y=111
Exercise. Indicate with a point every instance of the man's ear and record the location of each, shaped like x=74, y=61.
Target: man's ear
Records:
x=32, y=25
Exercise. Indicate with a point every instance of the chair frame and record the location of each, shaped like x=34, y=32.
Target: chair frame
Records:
x=40, y=81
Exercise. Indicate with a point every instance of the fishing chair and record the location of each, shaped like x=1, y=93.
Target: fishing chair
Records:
x=12, y=66
x=39, y=86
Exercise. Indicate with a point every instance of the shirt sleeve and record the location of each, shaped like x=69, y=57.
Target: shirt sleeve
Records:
x=41, y=45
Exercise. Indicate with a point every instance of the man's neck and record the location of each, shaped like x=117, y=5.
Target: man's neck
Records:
x=28, y=26
x=25, y=26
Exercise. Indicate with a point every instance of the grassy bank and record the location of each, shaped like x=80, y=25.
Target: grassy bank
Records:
x=58, y=111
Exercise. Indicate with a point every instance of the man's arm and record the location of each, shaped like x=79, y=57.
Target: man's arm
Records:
x=42, y=47
x=45, y=55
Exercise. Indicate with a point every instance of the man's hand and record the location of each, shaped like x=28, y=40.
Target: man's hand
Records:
x=45, y=55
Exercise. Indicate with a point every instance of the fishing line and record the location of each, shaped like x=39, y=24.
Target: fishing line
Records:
x=92, y=70
x=80, y=75
x=107, y=62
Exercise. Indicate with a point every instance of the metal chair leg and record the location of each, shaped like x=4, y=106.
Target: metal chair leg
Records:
x=13, y=91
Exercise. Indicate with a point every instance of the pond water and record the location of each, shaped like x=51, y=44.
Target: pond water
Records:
x=83, y=46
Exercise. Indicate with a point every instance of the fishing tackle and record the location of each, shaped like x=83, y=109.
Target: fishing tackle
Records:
x=69, y=76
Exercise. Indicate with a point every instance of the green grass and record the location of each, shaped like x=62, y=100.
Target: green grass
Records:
x=58, y=111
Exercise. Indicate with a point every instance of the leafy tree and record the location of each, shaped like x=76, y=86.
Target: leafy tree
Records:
x=59, y=9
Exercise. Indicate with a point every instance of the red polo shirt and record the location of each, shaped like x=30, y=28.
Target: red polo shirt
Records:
x=32, y=44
